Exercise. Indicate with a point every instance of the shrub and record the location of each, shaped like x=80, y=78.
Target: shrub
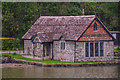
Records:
x=14, y=53
x=10, y=44
x=117, y=50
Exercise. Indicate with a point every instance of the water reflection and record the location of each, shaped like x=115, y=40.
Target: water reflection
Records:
x=62, y=72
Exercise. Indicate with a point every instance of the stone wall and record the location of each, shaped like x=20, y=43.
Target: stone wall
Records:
x=28, y=47
x=10, y=60
x=64, y=55
x=80, y=52
x=73, y=52
x=108, y=52
x=39, y=51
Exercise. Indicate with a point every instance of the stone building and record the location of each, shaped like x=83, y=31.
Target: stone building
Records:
x=69, y=38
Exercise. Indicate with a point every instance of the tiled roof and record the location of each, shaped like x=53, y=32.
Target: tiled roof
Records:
x=51, y=28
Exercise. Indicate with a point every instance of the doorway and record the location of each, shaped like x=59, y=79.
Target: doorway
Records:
x=46, y=50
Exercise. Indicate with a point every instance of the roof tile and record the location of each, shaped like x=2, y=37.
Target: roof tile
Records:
x=51, y=28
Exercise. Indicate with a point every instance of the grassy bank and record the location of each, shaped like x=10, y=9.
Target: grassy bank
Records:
x=17, y=56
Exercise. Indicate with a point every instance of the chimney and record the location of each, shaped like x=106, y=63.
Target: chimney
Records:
x=83, y=13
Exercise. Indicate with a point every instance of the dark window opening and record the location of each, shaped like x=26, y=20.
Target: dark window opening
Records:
x=96, y=49
x=95, y=26
x=91, y=50
x=62, y=46
x=101, y=49
x=87, y=49
x=48, y=51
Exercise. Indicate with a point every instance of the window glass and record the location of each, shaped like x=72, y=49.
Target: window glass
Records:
x=96, y=49
x=101, y=48
x=91, y=50
x=95, y=26
x=87, y=50
x=62, y=46
x=48, y=49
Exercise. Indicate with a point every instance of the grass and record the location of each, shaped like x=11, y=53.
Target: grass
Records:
x=17, y=56
x=117, y=50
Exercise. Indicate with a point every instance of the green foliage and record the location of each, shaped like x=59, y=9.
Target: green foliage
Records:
x=10, y=44
x=18, y=17
x=14, y=53
x=117, y=50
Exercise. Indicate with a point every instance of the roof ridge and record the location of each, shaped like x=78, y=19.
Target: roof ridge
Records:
x=66, y=16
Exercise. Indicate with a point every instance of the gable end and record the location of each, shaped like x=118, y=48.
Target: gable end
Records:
x=100, y=34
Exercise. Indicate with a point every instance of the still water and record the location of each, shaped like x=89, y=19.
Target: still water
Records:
x=62, y=72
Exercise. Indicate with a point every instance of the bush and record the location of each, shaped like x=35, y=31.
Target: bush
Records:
x=10, y=44
x=117, y=50
x=14, y=53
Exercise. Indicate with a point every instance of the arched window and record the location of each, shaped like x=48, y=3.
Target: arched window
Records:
x=95, y=27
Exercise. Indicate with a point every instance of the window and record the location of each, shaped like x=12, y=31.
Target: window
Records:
x=62, y=46
x=87, y=49
x=96, y=49
x=101, y=49
x=91, y=50
x=95, y=27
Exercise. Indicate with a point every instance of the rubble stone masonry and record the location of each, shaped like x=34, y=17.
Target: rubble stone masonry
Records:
x=107, y=52
x=64, y=55
x=28, y=47
x=73, y=52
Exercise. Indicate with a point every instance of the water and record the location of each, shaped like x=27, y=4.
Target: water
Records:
x=62, y=72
